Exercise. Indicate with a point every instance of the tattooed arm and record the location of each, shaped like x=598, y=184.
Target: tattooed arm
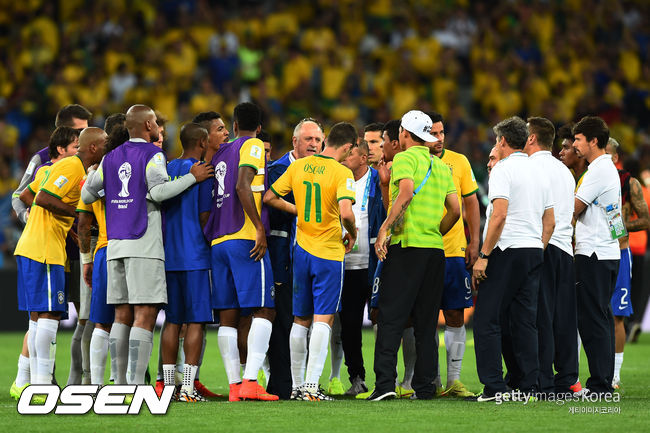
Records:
x=640, y=208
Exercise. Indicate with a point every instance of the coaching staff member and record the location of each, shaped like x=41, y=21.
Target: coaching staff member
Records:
x=599, y=224
x=510, y=262
x=557, y=324
x=413, y=275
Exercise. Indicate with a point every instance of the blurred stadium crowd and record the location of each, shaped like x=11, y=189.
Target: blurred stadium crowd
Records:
x=476, y=62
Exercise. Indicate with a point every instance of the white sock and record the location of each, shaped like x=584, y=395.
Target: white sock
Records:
x=455, y=344
x=85, y=352
x=98, y=355
x=22, y=377
x=227, y=341
x=159, y=374
x=180, y=356
x=189, y=373
x=45, y=350
x=579, y=345
x=318, y=343
x=336, y=347
x=140, y=347
x=408, y=353
x=258, y=344
x=169, y=373
x=198, y=367
x=118, y=344
x=31, y=347
x=618, y=363
x=298, y=351
x=76, y=364
x=266, y=368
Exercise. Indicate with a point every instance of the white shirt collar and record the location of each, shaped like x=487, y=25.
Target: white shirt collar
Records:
x=364, y=176
x=138, y=140
x=541, y=153
x=292, y=158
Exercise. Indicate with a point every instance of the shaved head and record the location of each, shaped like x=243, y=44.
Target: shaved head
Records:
x=92, y=145
x=141, y=123
x=192, y=134
x=90, y=136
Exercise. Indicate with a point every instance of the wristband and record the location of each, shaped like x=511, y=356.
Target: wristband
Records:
x=482, y=255
x=86, y=258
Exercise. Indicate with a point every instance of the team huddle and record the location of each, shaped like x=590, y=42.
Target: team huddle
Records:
x=285, y=255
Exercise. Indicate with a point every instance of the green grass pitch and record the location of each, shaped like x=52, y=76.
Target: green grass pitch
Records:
x=344, y=415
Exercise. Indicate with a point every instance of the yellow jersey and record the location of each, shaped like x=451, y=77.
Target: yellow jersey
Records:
x=43, y=239
x=38, y=178
x=580, y=179
x=455, y=241
x=318, y=184
x=251, y=154
x=97, y=208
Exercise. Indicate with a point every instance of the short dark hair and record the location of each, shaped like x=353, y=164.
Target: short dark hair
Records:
x=118, y=136
x=112, y=121
x=248, y=116
x=566, y=132
x=191, y=134
x=374, y=127
x=543, y=130
x=341, y=134
x=61, y=137
x=72, y=111
x=593, y=127
x=205, y=118
x=435, y=117
x=363, y=147
x=392, y=129
x=514, y=130
x=161, y=119
x=264, y=136
x=414, y=137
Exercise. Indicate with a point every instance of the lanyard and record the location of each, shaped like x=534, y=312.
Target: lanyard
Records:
x=417, y=190
x=364, y=203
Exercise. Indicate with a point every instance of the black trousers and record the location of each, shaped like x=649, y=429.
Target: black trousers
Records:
x=356, y=293
x=278, y=353
x=411, y=285
x=639, y=290
x=595, y=282
x=557, y=322
x=505, y=319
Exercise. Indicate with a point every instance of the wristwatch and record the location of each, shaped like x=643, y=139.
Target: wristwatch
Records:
x=482, y=255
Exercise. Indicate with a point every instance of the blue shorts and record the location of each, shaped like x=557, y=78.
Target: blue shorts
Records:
x=100, y=310
x=41, y=287
x=457, y=292
x=376, y=284
x=188, y=297
x=317, y=284
x=621, y=305
x=238, y=280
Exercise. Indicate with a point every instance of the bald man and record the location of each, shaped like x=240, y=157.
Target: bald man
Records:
x=41, y=255
x=133, y=177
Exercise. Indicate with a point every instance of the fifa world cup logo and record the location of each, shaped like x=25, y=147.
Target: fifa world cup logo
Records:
x=220, y=174
x=124, y=173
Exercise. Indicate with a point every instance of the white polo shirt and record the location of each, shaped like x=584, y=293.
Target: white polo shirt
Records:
x=562, y=186
x=359, y=257
x=518, y=180
x=600, y=188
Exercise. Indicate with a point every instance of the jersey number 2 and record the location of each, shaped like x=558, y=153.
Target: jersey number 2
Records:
x=317, y=200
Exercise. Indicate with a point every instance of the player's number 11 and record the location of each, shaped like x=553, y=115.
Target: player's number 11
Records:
x=317, y=200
